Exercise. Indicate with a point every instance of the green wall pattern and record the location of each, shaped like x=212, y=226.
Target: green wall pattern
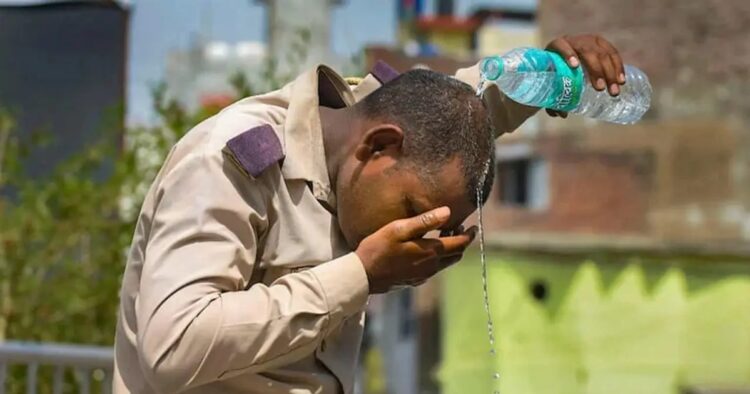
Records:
x=606, y=326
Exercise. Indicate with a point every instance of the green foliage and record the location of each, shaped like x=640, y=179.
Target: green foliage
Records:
x=64, y=238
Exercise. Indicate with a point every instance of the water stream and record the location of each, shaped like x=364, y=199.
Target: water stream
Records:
x=483, y=260
x=482, y=254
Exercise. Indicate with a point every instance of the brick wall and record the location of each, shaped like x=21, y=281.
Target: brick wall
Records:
x=671, y=180
x=589, y=192
x=662, y=36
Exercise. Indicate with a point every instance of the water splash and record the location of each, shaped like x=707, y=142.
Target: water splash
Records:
x=480, y=85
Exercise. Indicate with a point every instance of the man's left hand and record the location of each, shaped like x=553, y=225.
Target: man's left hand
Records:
x=599, y=57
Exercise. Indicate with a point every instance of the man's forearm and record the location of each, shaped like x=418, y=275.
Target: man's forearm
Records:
x=252, y=330
x=506, y=114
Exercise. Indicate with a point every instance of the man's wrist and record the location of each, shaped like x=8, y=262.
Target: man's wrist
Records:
x=345, y=284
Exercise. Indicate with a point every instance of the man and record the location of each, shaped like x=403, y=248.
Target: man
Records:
x=270, y=224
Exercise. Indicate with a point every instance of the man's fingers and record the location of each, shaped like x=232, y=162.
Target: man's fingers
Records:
x=446, y=262
x=619, y=67
x=614, y=56
x=407, y=229
x=429, y=247
x=554, y=114
x=610, y=75
x=456, y=243
x=443, y=246
x=564, y=49
x=473, y=231
x=455, y=231
x=595, y=70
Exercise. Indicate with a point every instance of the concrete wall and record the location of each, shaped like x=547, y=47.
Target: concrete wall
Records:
x=299, y=33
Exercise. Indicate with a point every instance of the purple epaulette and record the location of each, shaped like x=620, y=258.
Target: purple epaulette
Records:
x=256, y=149
x=383, y=72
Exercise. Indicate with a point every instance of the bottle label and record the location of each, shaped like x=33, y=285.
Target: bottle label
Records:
x=568, y=85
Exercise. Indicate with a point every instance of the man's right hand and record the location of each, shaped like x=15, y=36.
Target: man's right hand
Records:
x=397, y=254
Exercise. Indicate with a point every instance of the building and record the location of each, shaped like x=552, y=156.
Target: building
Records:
x=297, y=37
x=63, y=73
x=298, y=33
x=201, y=75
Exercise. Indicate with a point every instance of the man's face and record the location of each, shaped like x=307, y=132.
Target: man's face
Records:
x=375, y=192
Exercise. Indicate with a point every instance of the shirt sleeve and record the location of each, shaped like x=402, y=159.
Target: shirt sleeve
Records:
x=197, y=318
x=506, y=114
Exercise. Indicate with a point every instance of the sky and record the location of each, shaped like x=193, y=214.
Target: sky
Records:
x=160, y=26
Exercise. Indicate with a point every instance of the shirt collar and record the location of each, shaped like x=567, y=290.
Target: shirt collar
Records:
x=303, y=133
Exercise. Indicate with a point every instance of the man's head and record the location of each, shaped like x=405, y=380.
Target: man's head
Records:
x=422, y=141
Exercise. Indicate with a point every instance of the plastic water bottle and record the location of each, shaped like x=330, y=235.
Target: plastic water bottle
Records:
x=543, y=79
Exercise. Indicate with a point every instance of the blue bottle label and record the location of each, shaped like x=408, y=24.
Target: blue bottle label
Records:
x=565, y=84
x=568, y=85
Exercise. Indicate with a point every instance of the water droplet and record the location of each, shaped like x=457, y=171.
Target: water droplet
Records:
x=492, y=352
x=496, y=375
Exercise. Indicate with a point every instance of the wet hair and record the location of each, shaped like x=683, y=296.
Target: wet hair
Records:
x=442, y=119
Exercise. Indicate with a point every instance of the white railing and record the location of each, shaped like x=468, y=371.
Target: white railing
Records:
x=86, y=362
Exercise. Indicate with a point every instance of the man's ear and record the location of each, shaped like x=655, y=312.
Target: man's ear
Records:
x=384, y=139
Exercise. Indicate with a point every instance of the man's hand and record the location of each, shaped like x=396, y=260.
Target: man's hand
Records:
x=398, y=255
x=599, y=57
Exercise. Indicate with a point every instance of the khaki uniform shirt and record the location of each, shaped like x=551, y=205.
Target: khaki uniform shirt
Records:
x=244, y=284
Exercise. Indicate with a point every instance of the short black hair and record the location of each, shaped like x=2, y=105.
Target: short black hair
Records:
x=442, y=118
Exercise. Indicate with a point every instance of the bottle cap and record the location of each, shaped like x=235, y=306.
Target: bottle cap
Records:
x=492, y=68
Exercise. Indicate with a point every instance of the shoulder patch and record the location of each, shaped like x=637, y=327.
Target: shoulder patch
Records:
x=256, y=149
x=383, y=72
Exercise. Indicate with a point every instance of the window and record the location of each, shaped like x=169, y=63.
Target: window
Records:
x=524, y=182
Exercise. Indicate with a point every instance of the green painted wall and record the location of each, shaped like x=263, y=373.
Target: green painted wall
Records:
x=608, y=325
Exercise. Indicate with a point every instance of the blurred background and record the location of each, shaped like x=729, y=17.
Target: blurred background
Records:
x=619, y=256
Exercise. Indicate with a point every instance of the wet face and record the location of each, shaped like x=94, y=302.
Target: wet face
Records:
x=378, y=187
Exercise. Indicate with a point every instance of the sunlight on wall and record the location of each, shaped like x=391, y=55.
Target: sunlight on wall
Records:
x=619, y=327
